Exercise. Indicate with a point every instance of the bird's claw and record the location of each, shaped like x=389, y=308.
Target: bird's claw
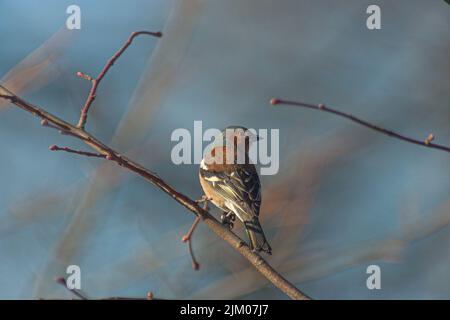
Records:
x=228, y=219
x=204, y=199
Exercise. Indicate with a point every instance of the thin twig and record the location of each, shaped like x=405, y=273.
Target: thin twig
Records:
x=150, y=296
x=82, y=153
x=425, y=143
x=195, y=264
x=80, y=294
x=96, y=81
x=188, y=238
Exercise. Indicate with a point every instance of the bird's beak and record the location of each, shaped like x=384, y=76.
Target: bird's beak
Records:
x=258, y=138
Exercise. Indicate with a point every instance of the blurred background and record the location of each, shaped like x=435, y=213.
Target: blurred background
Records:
x=344, y=198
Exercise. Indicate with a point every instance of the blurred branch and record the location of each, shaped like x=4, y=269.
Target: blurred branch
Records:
x=425, y=143
x=41, y=66
x=78, y=132
x=80, y=294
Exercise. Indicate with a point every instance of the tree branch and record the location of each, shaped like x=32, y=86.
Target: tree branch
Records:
x=80, y=294
x=425, y=143
x=82, y=153
x=78, y=132
x=96, y=81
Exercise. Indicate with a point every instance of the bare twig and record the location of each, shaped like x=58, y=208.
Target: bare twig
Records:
x=188, y=236
x=321, y=107
x=78, y=132
x=96, y=81
x=80, y=294
x=195, y=264
x=82, y=153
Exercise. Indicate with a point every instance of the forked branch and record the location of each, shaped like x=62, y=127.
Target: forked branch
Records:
x=96, y=81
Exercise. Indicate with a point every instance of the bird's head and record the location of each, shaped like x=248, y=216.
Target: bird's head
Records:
x=239, y=137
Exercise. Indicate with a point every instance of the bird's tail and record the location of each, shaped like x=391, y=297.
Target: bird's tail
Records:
x=258, y=241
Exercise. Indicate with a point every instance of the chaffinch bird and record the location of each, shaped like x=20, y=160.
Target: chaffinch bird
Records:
x=232, y=184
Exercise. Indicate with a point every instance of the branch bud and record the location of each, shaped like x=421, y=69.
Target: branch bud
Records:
x=84, y=76
x=429, y=139
x=274, y=101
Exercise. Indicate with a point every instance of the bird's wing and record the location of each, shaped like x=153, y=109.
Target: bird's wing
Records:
x=240, y=188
